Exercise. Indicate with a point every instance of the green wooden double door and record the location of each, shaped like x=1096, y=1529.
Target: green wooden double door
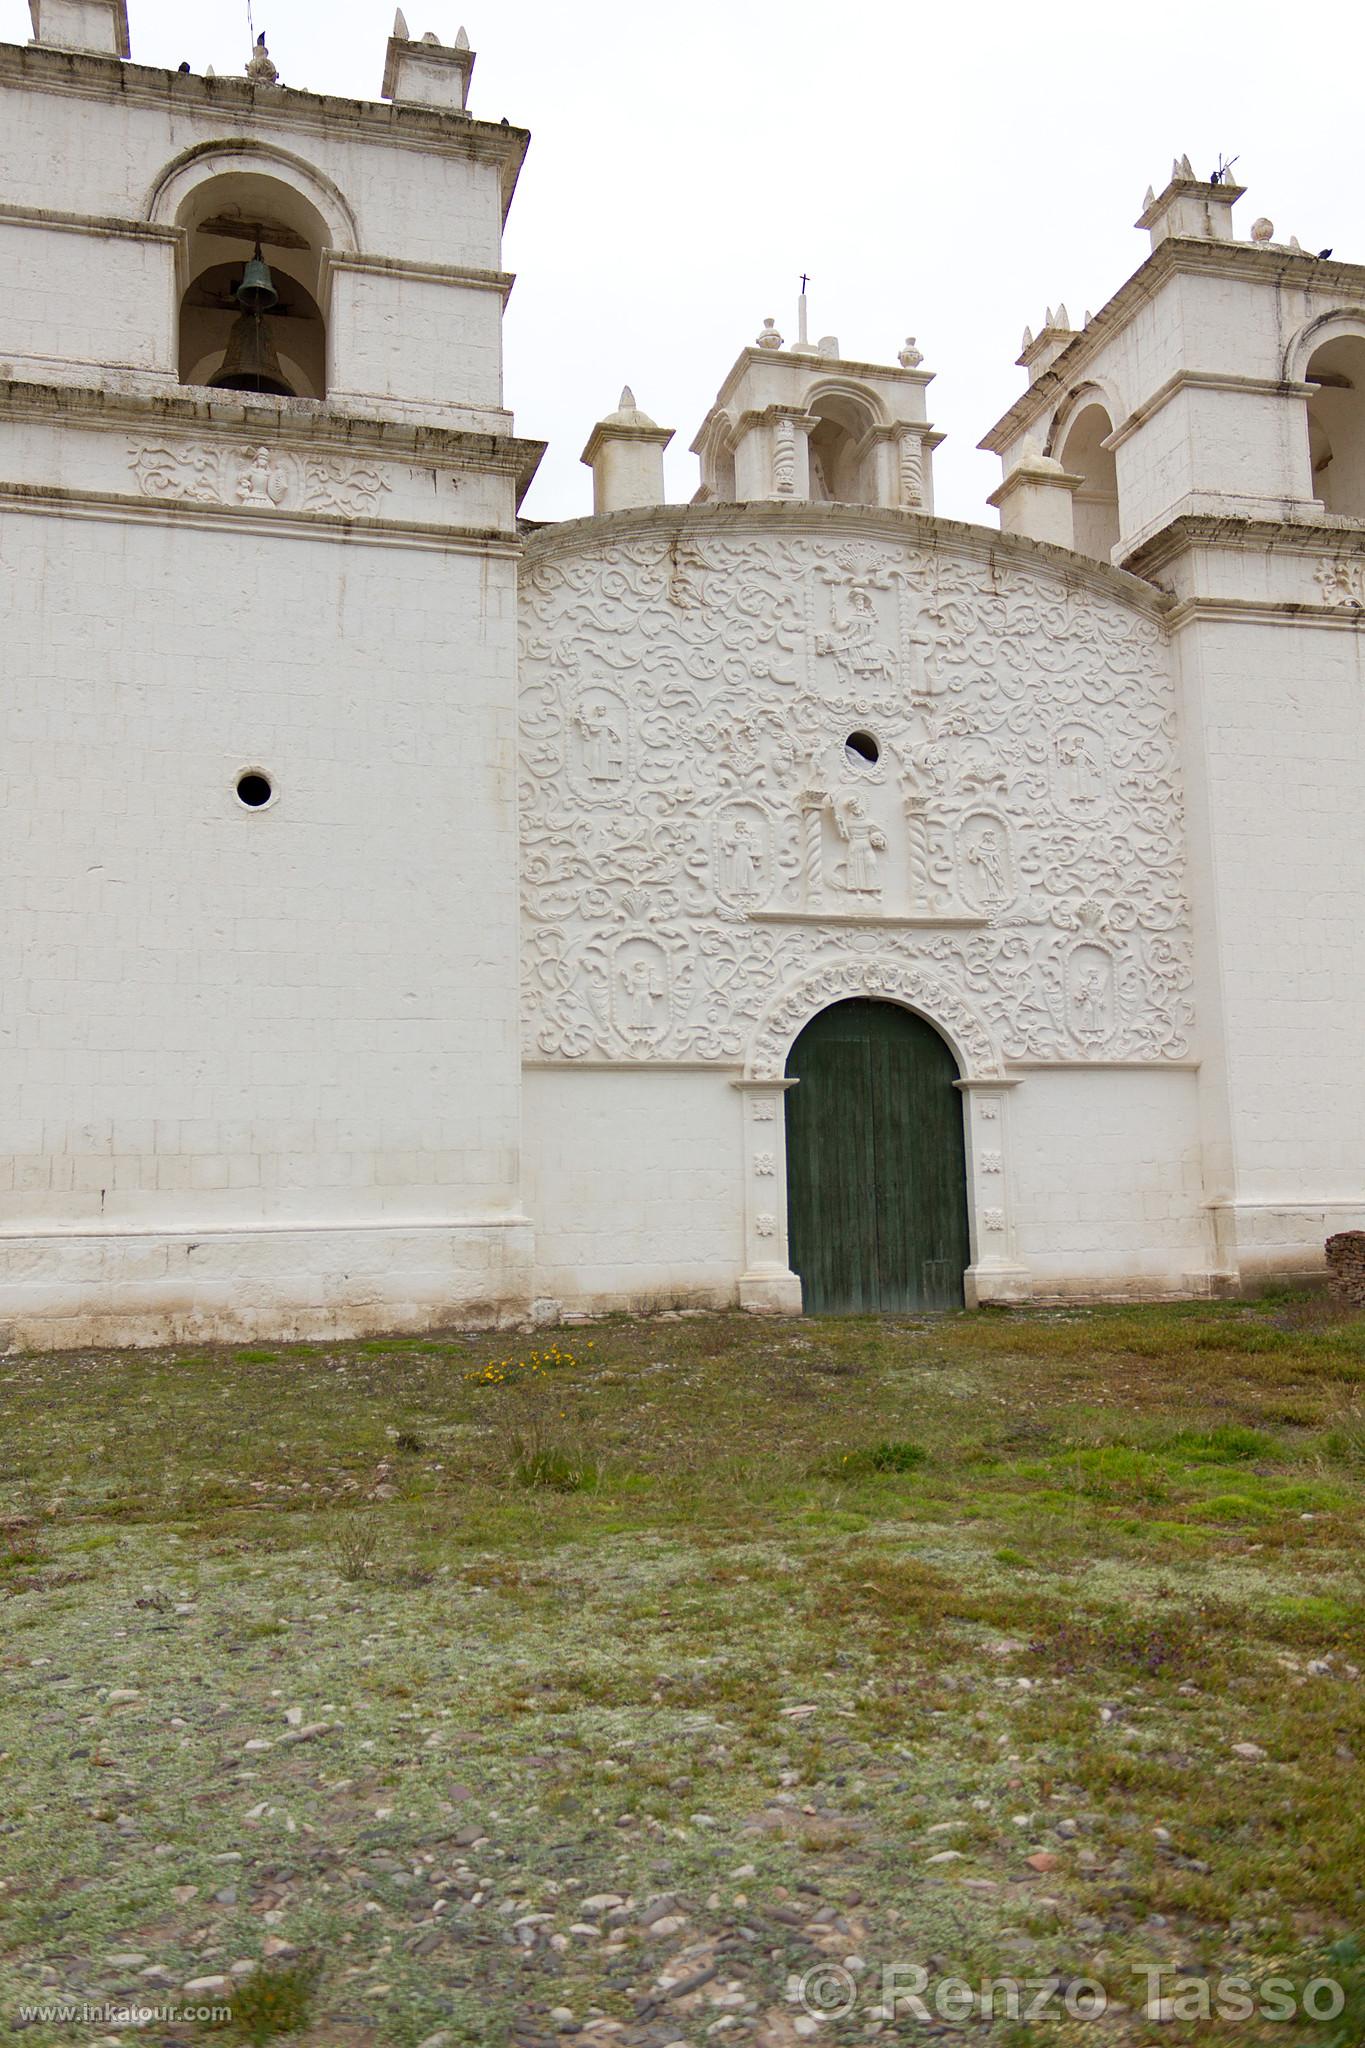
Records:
x=876, y=1166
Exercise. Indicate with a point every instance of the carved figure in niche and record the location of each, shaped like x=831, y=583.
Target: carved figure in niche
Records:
x=740, y=859
x=1081, y=780
x=865, y=841
x=1090, y=1005
x=853, y=639
x=261, y=484
x=986, y=856
x=644, y=988
x=604, y=753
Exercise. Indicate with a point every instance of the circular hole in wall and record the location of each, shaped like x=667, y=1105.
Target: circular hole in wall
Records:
x=254, y=789
x=862, y=750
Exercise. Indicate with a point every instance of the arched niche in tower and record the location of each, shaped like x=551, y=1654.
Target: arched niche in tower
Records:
x=1336, y=423
x=231, y=217
x=228, y=200
x=841, y=453
x=1080, y=449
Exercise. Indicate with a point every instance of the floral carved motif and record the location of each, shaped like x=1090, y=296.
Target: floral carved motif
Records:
x=1343, y=582
x=257, y=478
x=707, y=860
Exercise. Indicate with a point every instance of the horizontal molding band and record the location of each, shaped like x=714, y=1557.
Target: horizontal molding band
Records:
x=164, y=405
x=330, y=526
x=219, y=1233
x=103, y=225
x=858, y=921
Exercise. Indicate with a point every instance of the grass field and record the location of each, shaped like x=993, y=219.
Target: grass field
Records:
x=395, y=1692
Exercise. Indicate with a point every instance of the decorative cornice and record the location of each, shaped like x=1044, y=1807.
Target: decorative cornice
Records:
x=499, y=281
x=1329, y=536
x=1203, y=380
x=88, y=224
x=400, y=124
x=1167, y=260
x=303, y=422
x=773, y=516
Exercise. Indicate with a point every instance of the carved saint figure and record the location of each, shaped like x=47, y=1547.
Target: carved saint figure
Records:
x=261, y=484
x=739, y=860
x=1080, y=769
x=865, y=842
x=853, y=638
x=987, y=858
x=604, y=755
x=643, y=986
x=1089, y=1001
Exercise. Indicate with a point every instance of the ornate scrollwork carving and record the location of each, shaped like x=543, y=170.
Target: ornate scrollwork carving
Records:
x=257, y=478
x=690, y=816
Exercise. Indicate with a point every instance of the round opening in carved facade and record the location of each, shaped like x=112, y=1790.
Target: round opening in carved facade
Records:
x=862, y=750
x=254, y=789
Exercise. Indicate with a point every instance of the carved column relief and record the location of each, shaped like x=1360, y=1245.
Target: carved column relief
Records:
x=995, y=1273
x=767, y=1281
x=910, y=451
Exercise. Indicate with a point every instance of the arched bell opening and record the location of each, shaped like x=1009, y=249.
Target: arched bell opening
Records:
x=1083, y=454
x=1336, y=424
x=251, y=318
x=841, y=461
x=876, y=1163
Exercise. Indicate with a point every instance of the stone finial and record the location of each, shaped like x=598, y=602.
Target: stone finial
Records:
x=1191, y=208
x=625, y=453
x=98, y=28
x=828, y=347
x=426, y=72
x=769, y=338
x=1041, y=350
x=1263, y=230
x=260, y=70
x=910, y=357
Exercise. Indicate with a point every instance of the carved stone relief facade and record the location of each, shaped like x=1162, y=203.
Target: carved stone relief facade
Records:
x=754, y=759
x=256, y=478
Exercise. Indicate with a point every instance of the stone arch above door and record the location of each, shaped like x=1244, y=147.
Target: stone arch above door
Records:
x=893, y=981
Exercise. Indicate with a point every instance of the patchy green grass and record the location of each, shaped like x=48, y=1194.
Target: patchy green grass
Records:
x=416, y=1688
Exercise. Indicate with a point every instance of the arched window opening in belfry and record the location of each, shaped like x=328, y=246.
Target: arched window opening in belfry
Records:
x=1083, y=454
x=250, y=317
x=840, y=466
x=1336, y=424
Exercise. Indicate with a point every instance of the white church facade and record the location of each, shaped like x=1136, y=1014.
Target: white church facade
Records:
x=413, y=916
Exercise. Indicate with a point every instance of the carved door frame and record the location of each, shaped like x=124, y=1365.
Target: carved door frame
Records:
x=995, y=1273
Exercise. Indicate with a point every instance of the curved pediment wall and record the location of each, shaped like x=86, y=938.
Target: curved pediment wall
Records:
x=704, y=826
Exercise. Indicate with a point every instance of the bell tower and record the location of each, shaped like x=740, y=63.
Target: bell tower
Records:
x=805, y=424
x=261, y=733
x=1205, y=430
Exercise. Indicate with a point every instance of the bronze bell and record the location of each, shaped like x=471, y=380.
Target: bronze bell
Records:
x=251, y=363
x=256, y=293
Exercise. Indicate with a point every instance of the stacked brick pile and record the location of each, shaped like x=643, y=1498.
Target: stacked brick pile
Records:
x=1346, y=1266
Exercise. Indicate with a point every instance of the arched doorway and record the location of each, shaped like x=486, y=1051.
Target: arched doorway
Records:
x=876, y=1165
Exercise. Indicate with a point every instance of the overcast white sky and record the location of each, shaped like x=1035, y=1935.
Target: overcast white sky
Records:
x=944, y=170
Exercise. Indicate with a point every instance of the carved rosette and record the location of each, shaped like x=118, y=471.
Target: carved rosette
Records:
x=686, y=699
